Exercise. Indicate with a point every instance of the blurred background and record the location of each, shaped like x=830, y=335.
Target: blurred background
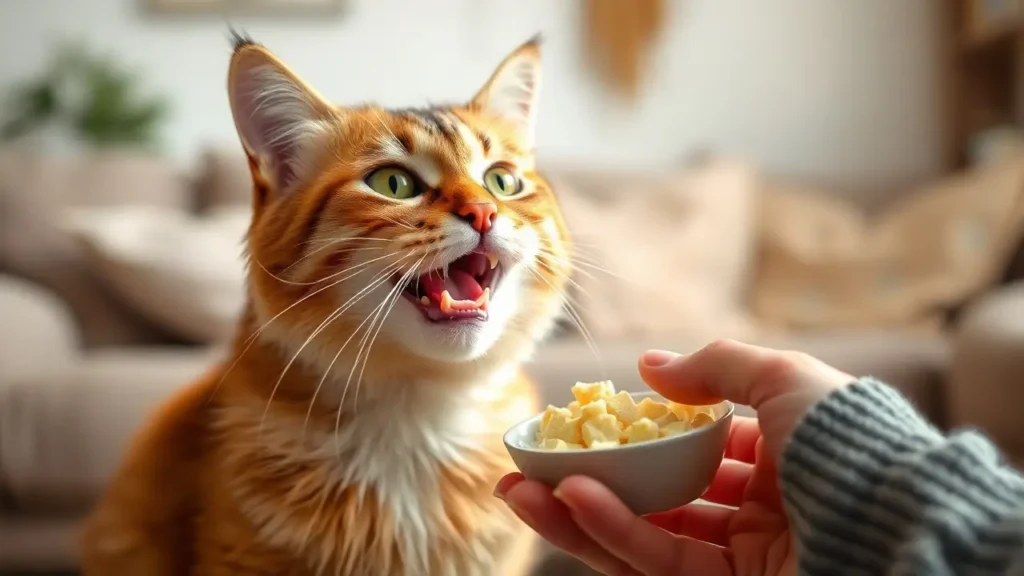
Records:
x=843, y=177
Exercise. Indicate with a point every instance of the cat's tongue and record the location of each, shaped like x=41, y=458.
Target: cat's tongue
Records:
x=461, y=286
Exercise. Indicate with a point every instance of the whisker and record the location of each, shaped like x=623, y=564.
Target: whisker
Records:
x=323, y=377
x=341, y=403
x=574, y=243
x=399, y=287
x=256, y=333
x=576, y=318
x=576, y=265
x=327, y=245
x=324, y=279
x=379, y=279
x=565, y=263
x=574, y=251
x=362, y=342
x=568, y=279
x=398, y=223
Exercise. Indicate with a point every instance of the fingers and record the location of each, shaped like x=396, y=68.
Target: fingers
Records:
x=730, y=483
x=642, y=545
x=763, y=486
x=743, y=437
x=534, y=503
x=723, y=370
x=698, y=521
x=506, y=483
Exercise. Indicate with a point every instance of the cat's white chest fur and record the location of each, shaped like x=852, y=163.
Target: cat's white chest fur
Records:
x=397, y=448
x=394, y=448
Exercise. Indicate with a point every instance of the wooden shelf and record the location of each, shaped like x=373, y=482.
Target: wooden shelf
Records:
x=984, y=77
x=984, y=40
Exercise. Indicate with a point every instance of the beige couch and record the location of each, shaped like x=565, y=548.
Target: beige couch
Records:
x=79, y=371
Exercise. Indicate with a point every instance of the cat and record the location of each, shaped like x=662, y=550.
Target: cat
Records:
x=402, y=264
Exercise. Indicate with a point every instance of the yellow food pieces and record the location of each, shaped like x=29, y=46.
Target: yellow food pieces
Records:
x=600, y=417
x=556, y=444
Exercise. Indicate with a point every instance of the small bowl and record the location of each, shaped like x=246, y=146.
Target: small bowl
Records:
x=648, y=477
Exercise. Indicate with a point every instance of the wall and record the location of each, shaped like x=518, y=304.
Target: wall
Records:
x=838, y=90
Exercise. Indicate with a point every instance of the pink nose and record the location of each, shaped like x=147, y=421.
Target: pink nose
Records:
x=479, y=214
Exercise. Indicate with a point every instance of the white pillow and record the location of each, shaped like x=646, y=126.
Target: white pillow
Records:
x=181, y=271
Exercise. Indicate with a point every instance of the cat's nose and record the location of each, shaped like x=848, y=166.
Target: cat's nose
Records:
x=480, y=215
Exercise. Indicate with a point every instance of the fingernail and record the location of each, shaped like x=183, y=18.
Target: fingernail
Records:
x=656, y=358
x=505, y=484
x=557, y=493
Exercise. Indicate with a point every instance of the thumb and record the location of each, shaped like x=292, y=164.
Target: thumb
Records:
x=724, y=370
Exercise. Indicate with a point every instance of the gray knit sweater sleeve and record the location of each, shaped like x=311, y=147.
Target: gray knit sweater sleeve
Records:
x=871, y=488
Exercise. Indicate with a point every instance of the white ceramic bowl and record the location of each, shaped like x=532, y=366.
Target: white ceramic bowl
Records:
x=648, y=477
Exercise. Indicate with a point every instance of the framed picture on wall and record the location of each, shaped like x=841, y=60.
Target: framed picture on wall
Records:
x=275, y=8
x=990, y=19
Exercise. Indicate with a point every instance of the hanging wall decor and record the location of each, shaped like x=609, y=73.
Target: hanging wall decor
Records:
x=619, y=37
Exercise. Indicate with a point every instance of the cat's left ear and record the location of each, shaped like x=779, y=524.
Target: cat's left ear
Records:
x=512, y=91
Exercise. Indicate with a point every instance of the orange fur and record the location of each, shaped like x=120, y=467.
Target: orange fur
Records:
x=324, y=444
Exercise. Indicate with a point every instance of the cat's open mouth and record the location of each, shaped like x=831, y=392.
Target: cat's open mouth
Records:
x=459, y=291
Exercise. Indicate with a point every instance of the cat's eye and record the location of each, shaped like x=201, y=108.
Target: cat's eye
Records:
x=500, y=181
x=393, y=183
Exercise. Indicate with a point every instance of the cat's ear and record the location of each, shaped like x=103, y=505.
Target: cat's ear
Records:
x=512, y=91
x=278, y=117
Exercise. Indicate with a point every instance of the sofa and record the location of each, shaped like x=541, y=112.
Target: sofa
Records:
x=80, y=369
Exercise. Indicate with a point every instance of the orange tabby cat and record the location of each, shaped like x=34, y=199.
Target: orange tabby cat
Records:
x=402, y=263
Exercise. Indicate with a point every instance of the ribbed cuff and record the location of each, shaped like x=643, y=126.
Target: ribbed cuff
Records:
x=871, y=487
x=833, y=467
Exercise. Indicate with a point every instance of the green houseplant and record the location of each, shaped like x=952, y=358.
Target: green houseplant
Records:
x=89, y=97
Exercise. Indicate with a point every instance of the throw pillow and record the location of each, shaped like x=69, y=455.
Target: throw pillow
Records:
x=825, y=264
x=662, y=255
x=181, y=271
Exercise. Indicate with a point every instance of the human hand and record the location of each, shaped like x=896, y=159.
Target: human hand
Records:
x=585, y=519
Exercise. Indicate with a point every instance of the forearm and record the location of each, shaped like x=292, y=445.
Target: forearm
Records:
x=872, y=488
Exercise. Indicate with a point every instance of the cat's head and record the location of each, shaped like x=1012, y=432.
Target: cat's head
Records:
x=425, y=231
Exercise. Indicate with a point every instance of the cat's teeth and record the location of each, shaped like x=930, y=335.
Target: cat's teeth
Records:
x=424, y=300
x=484, y=298
x=446, y=302
x=493, y=260
x=449, y=305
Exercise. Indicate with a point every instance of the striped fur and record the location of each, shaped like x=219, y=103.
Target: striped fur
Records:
x=344, y=434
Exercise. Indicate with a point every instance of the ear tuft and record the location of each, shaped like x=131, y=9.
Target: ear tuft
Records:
x=278, y=117
x=240, y=39
x=513, y=90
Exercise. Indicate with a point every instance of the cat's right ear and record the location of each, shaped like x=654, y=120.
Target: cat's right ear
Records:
x=278, y=118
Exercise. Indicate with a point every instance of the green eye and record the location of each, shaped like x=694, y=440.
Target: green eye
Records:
x=393, y=183
x=500, y=181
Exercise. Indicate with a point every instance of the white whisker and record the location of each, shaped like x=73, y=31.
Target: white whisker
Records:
x=576, y=318
x=379, y=279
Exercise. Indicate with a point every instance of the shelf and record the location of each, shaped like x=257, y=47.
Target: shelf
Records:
x=979, y=42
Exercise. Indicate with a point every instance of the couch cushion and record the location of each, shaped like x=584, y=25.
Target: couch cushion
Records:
x=61, y=440
x=915, y=364
x=33, y=190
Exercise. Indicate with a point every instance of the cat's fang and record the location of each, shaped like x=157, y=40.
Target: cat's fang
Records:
x=446, y=302
x=425, y=301
x=484, y=298
x=492, y=260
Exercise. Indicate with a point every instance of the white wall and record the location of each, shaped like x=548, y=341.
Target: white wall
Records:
x=839, y=90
